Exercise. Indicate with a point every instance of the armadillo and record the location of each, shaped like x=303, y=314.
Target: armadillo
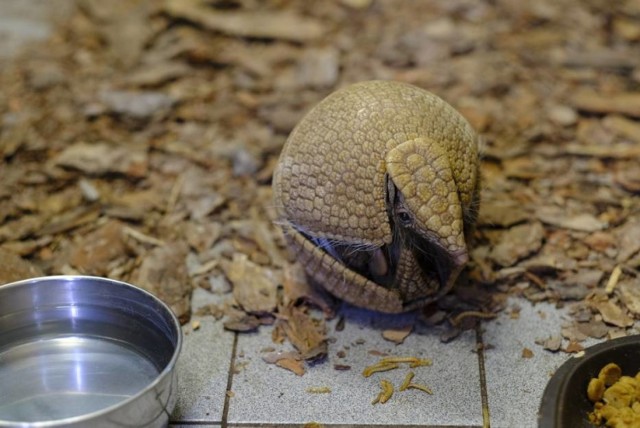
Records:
x=377, y=191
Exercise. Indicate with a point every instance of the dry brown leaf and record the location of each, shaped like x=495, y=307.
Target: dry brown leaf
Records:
x=104, y=158
x=157, y=75
x=98, y=249
x=297, y=288
x=119, y=24
x=593, y=328
x=573, y=347
x=552, y=343
x=254, y=287
x=293, y=365
x=624, y=127
x=163, y=272
x=572, y=333
x=14, y=268
x=138, y=106
x=629, y=289
x=628, y=239
x=397, y=335
x=611, y=312
x=25, y=226
x=629, y=179
x=272, y=357
x=624, y=103
x=502, y=213
x=555, y=216
x=242, y=323
x=305, y=333
x=271, y=24
x=527, y=353
x=517, y=243
x=615, y=151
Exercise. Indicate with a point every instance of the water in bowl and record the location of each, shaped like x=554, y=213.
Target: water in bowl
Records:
x=61, y=377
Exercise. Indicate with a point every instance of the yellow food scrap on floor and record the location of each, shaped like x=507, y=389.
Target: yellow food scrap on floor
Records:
x=319, y=390
x=390, y=363
x=385, y=394
x=406, y=382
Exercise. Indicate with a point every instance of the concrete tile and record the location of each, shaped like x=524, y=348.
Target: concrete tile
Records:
x=515, y=384
x=203, y=367
x=208, y=425
x=267, y=394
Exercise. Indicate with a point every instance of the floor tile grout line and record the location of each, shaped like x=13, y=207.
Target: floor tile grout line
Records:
x=227, y=397
x=484, y=396
x=339, y=425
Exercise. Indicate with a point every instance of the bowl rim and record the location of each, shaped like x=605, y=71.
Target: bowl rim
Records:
x=549, y=409
x=86, y=417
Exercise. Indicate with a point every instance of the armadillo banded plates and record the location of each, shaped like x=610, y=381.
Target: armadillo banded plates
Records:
x=85, y=351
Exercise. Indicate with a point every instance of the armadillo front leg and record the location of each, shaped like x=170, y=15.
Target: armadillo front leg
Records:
x=410, y=280
x=342, y=282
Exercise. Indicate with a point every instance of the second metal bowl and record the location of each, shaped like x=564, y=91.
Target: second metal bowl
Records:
x=564, y=401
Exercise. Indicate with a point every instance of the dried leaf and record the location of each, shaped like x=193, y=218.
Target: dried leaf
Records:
x=273, y=356
x=305, y=333
x=557, y=217
x=630, y=295
x=573, y=348
x=611, y=313
x=97, y=250
x=502, y=213
x=624, y=127
x=242, y=323
x=292, y=365
x=271, y=24
x=14, y=268
x=254, y=287
x=163, y=272
x=552, y=343
x=397, y=335
x=298, y=288
x=593, y=328
x=625, y=103
x=517, y=243
x=142, y=105
x=104, y=158
x=628, y=239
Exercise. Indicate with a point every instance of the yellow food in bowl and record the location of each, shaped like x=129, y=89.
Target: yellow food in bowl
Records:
x=616, y=398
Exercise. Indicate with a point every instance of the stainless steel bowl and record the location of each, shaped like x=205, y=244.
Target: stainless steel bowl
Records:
x=85, y=351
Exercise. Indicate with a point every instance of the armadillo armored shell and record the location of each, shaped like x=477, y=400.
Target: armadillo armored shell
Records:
x=377, y=191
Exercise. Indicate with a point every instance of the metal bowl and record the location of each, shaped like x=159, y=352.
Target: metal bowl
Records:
x=564, y=402
x=85, y=351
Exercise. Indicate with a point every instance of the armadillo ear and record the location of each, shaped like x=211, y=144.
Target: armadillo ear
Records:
x=421, y=171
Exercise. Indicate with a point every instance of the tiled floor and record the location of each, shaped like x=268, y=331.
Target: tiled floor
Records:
x=265, y=395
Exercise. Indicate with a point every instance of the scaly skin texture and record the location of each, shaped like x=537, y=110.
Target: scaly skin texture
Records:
x=377, y=191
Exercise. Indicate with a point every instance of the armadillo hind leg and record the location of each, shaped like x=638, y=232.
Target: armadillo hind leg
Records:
x=340, y=281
